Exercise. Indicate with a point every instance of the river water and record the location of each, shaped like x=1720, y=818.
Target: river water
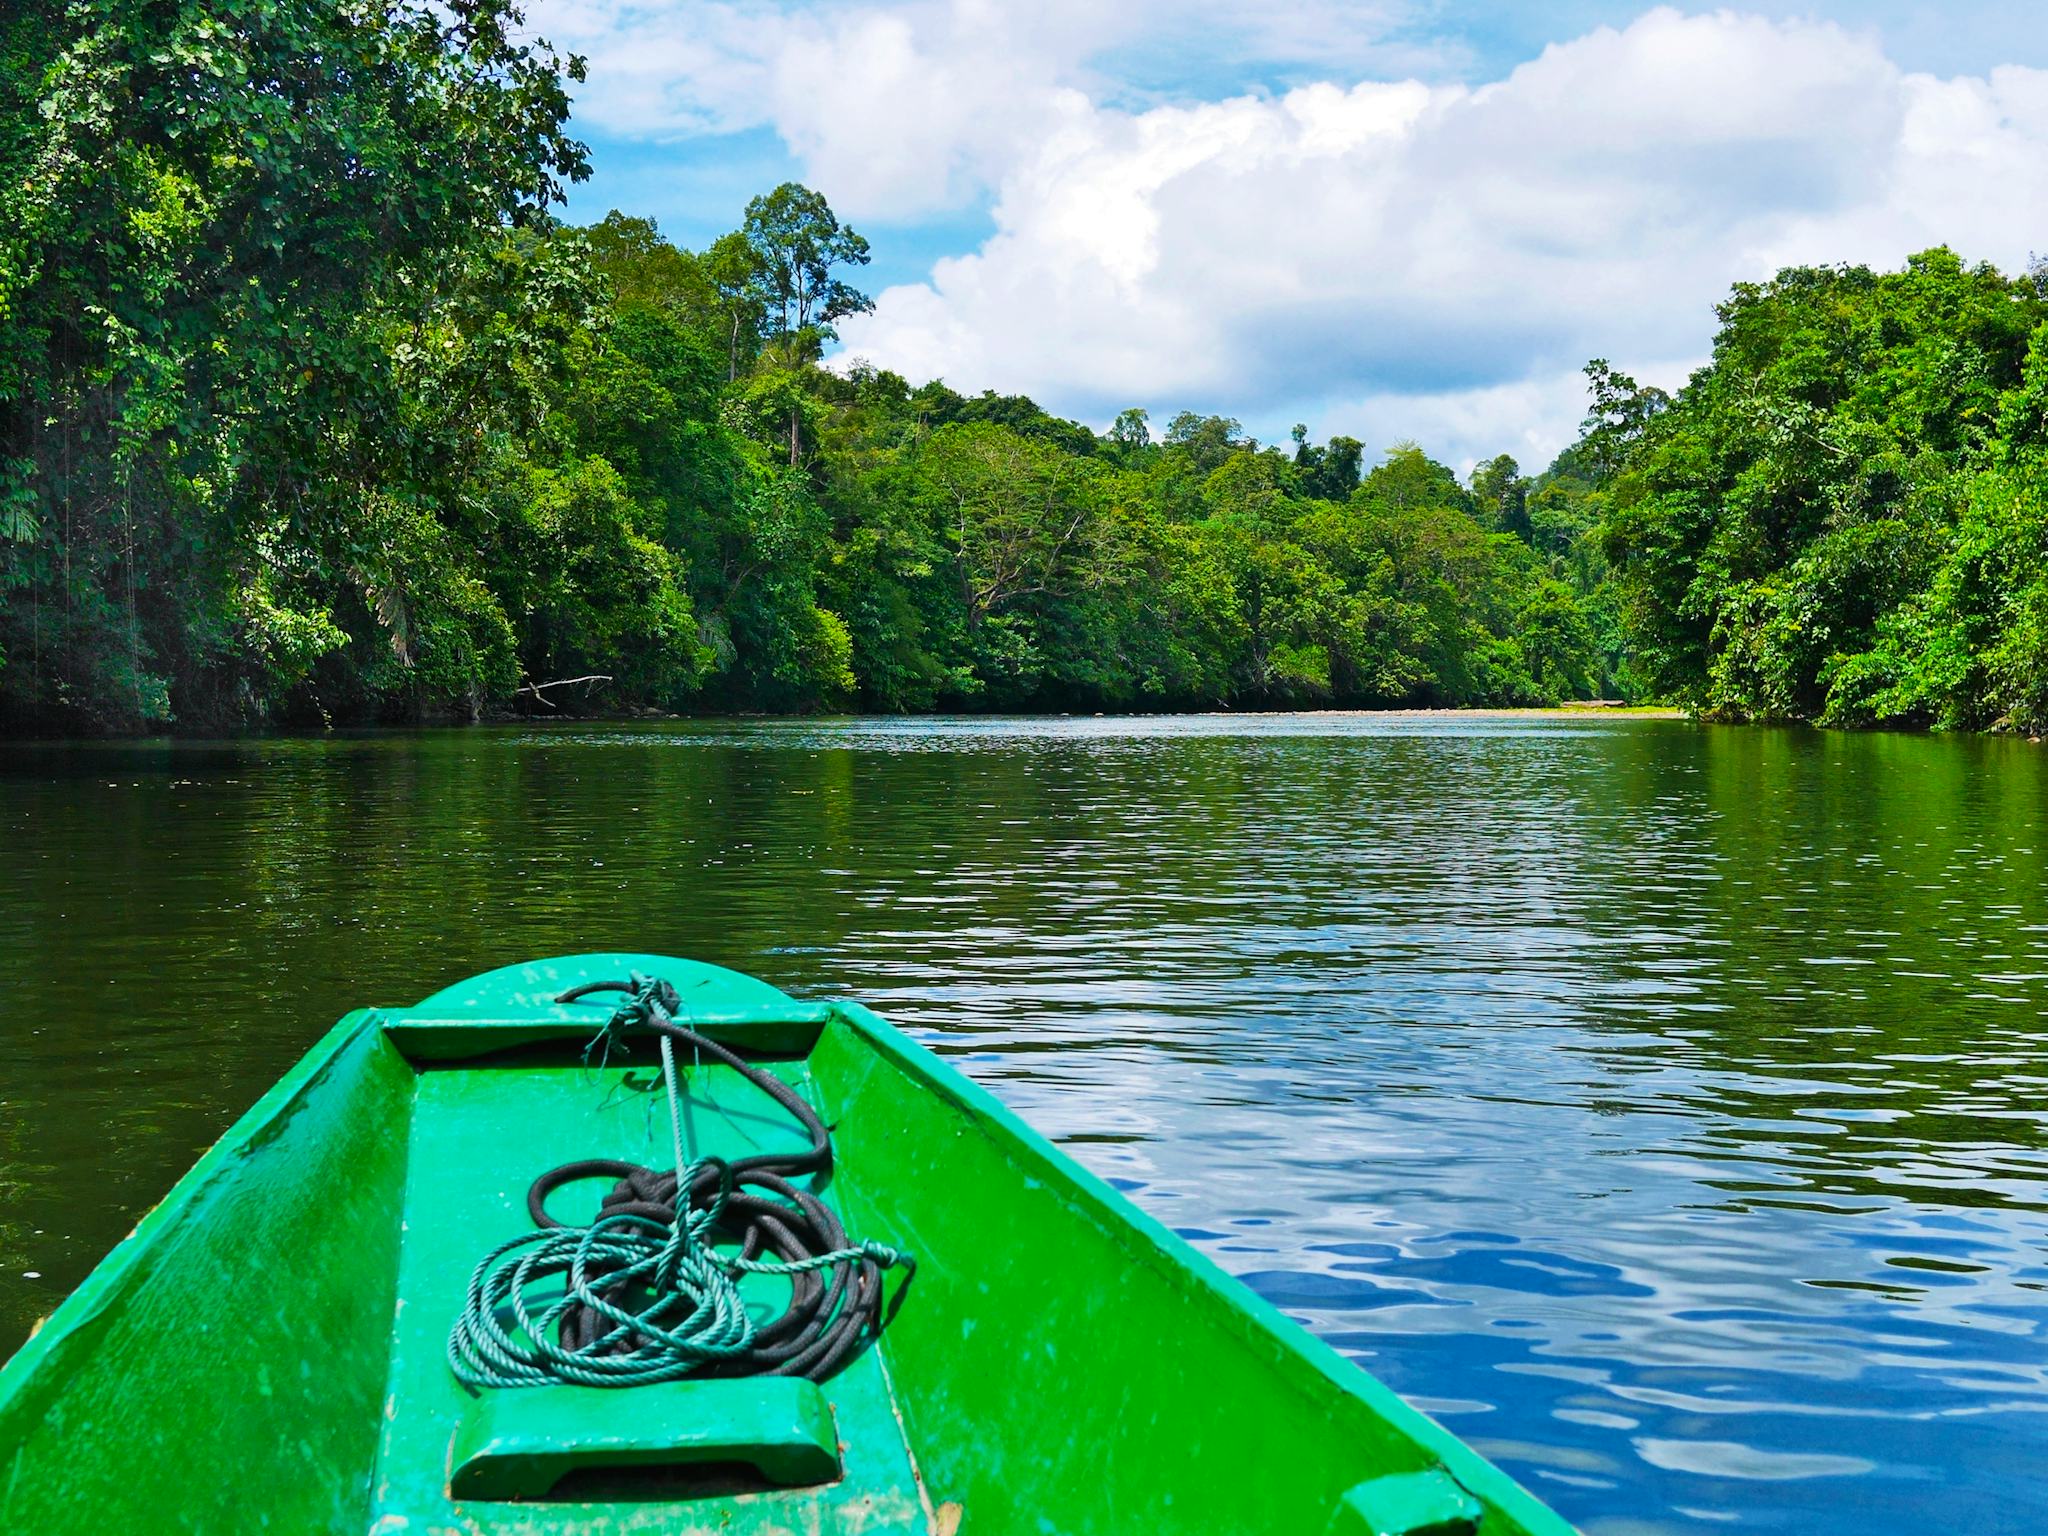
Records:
x=1663, y=1107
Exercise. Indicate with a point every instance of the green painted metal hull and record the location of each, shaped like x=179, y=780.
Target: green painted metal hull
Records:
x=265, y=1351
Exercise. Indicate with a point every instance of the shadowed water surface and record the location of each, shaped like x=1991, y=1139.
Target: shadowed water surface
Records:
x=1663, y=1107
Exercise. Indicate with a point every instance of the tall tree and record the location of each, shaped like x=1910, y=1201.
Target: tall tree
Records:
x=740, y=278
x=1132, y=431
x=1330, y=472
x=1502, y=495
x=799, y=242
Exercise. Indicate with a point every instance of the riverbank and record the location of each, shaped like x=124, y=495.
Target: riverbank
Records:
x=1585, y=710
x=1532, y=712
x=656, y=717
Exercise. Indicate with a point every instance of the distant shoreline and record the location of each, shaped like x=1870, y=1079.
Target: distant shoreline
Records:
x=1586, y=710
x=1529, y=711
x=1591, y=710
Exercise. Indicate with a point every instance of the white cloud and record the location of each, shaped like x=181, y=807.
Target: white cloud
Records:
x=903, y=107
x=894, y=109
x=1437, y=254
x=898, y=112
x=661, y=70
x=1464, y=250
x=1528, y=418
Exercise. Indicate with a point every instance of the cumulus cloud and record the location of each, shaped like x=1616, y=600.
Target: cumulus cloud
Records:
x=1359, y=251
x=907, y=107
x=1530, y=418
x=1453, y=247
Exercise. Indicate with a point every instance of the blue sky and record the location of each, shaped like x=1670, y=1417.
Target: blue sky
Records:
x=696, y=188
x=1395, y=219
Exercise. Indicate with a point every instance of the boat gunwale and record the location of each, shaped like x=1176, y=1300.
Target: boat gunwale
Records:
x=1172, y=1255
x=103, y=1283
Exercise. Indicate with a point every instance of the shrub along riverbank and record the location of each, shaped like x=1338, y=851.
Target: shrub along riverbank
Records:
x=311, y=411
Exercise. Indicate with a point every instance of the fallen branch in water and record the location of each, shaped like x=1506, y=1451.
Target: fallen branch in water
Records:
x=539, y=690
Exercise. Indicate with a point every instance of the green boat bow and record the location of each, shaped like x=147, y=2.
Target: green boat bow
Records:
x=268, y=1349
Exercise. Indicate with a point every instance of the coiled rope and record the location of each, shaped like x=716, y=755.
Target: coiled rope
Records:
x=651, y=1290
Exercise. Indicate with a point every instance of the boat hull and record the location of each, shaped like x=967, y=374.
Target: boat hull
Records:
x=271, y=1338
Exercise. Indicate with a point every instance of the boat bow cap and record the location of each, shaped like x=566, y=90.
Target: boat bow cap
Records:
x=705, y=991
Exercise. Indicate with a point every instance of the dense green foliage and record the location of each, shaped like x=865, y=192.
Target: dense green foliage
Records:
x=1844, y=517
x=267, y=325
x=311, y=411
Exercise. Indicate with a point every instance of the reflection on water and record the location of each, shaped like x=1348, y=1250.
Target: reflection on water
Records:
x=1660, y=1106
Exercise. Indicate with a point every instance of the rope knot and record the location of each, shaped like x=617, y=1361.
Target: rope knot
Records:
x=651, y=1003
x=654, y=1002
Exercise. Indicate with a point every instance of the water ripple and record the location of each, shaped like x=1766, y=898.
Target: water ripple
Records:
x=1661, y=1106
